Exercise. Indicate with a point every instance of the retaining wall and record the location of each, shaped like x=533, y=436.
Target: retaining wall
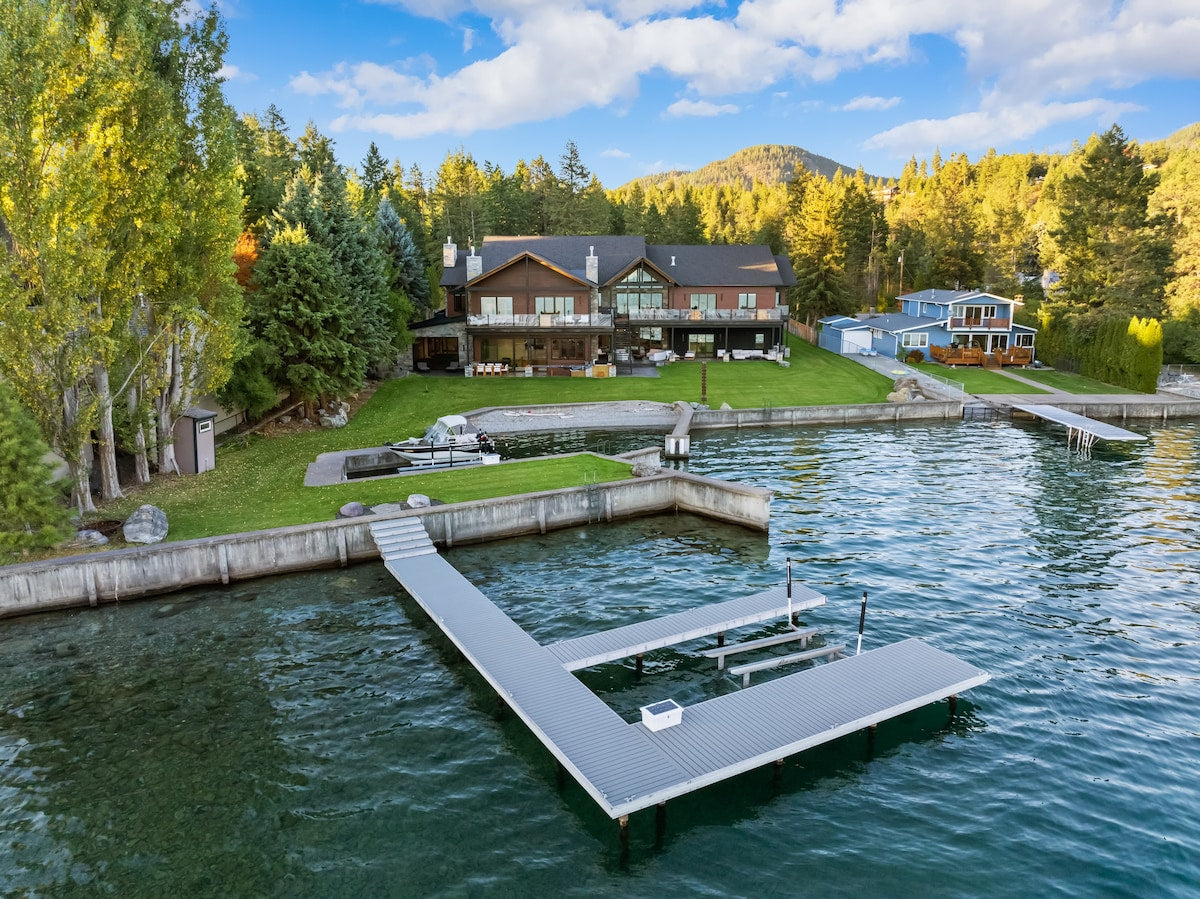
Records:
x=810, y=415
x=1158, y=409
x=144, y=571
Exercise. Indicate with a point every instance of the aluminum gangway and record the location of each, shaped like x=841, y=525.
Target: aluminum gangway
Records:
x=1081, y=430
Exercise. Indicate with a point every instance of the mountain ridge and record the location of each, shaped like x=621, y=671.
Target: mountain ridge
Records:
x=767, y=163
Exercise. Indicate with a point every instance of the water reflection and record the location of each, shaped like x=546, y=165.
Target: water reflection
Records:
x=317, y=735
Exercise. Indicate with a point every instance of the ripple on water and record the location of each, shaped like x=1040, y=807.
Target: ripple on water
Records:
x=317, y=735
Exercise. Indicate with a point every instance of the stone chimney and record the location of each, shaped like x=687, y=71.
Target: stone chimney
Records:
x=592, y=269
x=474, y=266
x=449, y=253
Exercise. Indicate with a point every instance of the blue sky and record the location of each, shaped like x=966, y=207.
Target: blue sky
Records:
x=652, y=85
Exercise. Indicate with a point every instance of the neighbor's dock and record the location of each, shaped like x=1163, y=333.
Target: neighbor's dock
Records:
x=1081, y=430
x=627, y=767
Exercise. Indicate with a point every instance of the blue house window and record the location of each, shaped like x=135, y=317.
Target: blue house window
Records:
x=914, y=339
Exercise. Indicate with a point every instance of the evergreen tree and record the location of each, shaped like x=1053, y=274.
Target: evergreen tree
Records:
x=302, y=317
x=818, y=248
x=409, y=288
x=31, y=515
x=1112, y=254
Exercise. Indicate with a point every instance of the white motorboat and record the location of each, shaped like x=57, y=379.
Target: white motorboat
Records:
x=448, y=441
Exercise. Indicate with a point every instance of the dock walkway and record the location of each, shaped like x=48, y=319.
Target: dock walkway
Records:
x=627, y=767
x=1080, y=429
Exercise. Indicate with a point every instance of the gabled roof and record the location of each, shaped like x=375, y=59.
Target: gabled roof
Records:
x=895, y=322
x=949, y=297
x=842, y=323
x=579, y=276
x=694, y=265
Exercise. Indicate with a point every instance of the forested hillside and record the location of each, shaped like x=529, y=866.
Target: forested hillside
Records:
x=766, y=163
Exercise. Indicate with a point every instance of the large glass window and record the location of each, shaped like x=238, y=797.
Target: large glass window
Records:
x=703, y=345
x=555, y=305
x=495, y=305
x=705, y=301
x=747, y=300
x=638, y=290
x=566, y=348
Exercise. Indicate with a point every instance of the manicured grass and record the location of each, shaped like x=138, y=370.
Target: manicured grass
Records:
x=1071, y=383
x=978, y=380
x=253, y=488
x=259, y=482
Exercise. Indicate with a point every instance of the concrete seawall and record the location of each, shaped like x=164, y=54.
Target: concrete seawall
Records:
x=812, y=415
x=131, y=573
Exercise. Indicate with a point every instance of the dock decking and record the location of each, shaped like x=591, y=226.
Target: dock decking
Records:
x=627, y=767
x=644, y=636
x=1081, y=430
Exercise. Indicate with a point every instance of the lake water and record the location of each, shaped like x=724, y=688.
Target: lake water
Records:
x=317, y=735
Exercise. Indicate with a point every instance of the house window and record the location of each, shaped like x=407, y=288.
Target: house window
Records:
x=650, y=333
x=495, y=305
x=747, y=300
x=705, y=301
x=914, y=339
x=555, y=305
x=1023, y=340
x=703, y=345
x=637, y=290
x=564, y=348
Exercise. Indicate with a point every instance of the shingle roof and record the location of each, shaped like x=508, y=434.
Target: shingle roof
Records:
x=695, y=265
x=896, y=321
x=720, y=266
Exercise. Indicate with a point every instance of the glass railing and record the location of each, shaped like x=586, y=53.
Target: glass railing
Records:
x=779, y=313
x=541, y=320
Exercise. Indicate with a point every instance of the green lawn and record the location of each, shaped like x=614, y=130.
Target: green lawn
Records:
x=978, y=380
x=258, y=482
x=1071, y=383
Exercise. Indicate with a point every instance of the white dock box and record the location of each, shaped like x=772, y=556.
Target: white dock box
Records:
x=661, y=715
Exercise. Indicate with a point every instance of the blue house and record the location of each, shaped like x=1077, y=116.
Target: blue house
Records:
x=958, y=327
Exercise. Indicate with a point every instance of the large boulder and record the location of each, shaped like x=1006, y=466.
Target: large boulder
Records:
x=336, y=416
x=352, y=510
x=148, y=524
x=418, y=501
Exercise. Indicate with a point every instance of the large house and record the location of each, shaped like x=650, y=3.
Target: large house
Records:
x=965, y=327
x=555, y=302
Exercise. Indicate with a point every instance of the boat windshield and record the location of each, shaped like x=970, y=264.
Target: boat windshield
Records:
x=437, y=433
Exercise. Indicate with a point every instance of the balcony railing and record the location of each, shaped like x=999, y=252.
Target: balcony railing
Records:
x=778, y=313
x=980, y=324
x=541, y=320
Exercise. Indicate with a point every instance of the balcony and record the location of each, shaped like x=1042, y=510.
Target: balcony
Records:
x=540, y=320
x=980, y=324
x=776, y=314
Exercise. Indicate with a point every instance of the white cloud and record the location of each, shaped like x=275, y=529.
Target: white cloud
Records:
x=683, y=108
x=871, y=103
x=614, y=153
x=992, y=126
x=231, y=72
x=1033, y=63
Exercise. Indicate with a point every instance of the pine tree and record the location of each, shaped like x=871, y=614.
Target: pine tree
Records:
x=31, y=514
x=302, y=317
x=1113, y=255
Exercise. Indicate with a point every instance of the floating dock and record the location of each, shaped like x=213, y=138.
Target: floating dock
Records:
x=627, y=767
x=1081, y=430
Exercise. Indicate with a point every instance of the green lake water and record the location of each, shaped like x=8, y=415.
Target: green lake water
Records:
x=316, y=735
